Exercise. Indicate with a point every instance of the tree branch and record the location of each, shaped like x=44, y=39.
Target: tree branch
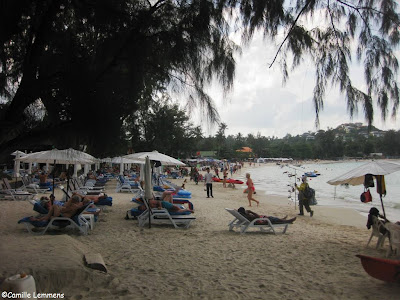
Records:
x=358, y=8
x=290, y=31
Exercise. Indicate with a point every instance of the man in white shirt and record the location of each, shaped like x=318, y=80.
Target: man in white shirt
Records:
x=208, y=182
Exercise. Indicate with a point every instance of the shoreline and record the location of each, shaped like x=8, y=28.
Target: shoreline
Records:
x=325, y=198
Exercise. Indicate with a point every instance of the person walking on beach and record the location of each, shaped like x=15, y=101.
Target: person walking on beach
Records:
x=250, y=190
x=304, y=201
x=208, y=182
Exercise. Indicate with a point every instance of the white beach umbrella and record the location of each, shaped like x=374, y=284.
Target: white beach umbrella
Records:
x=17, y=163
x=124, y=160
x=121, y=160
x=157, y=156
x=357, y=175
x=18, y=153
x=55, y=156
x=148, y=187
x=148, y=192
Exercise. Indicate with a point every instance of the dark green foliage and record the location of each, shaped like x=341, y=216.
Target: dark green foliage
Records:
x=89, y=63
x=329, y=144
x=160, y=125
x=72, y=72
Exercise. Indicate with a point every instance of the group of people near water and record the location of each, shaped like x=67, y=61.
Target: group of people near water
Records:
x=304, y=200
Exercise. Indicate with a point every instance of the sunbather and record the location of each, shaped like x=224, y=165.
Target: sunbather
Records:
x=250, y=215
x=43, y=182
x=67, y=211
x=92, y=198
x=168, y=195
x=168, y=206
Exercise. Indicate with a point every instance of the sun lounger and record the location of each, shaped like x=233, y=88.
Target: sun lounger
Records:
x=9, y=193
x=243, y=224
x=126, y=186
x=163, y=216
x=32, y=187
x=77, y=221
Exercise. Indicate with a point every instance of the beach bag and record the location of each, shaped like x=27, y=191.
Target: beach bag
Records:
x=308, y=193
x=366, y=196
x=369, y=181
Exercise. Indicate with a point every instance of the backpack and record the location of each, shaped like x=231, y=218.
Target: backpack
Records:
x=307, y=192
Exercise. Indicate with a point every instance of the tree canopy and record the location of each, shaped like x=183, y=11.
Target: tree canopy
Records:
x=73, y=72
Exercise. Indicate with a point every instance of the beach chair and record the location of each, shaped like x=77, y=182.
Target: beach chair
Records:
x=124, y=186
x=378, y=227
x=32, y=187
x=243, y=224
x=68, y=195
x=9, y=193
x=163, y=216
x=88, y=187
x=77, y=221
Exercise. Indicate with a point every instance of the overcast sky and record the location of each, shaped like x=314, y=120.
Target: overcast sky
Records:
x=259, y=102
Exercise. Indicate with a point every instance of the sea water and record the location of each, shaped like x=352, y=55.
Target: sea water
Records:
x=279, y=180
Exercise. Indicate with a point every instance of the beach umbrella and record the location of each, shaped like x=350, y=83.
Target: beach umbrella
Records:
x=124, y=160
x=18, y=154
x=148, y=188
x=17, y=164
x=375, y=168
x=55, y=156
x=156, y=156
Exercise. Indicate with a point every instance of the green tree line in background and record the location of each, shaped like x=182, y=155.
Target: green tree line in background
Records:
x=166, y=127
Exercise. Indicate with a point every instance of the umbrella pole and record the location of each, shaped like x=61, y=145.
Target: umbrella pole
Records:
x=54, y=172
x=295, y=190
x=149, y=214
x=383, y=208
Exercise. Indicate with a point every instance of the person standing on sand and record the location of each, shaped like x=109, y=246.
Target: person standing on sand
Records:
x=208, y=183
x=303, y=201
x=216, y=172
x=225, y=177
x=250, y=190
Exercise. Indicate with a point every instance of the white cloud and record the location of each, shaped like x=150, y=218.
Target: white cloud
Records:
x=259, y=102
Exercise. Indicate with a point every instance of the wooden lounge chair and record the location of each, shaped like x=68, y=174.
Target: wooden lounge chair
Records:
x=244, y=224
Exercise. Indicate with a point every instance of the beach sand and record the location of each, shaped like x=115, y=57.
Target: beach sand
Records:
x=315, y=259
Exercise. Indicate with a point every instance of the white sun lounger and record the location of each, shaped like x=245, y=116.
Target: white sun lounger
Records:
x=243, y=224
x=162, y=216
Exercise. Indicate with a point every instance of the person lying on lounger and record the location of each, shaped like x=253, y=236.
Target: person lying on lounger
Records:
x=67, y=211
x=168, y=195
x=91, y=198
x=250, y=215
x=168, y=206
